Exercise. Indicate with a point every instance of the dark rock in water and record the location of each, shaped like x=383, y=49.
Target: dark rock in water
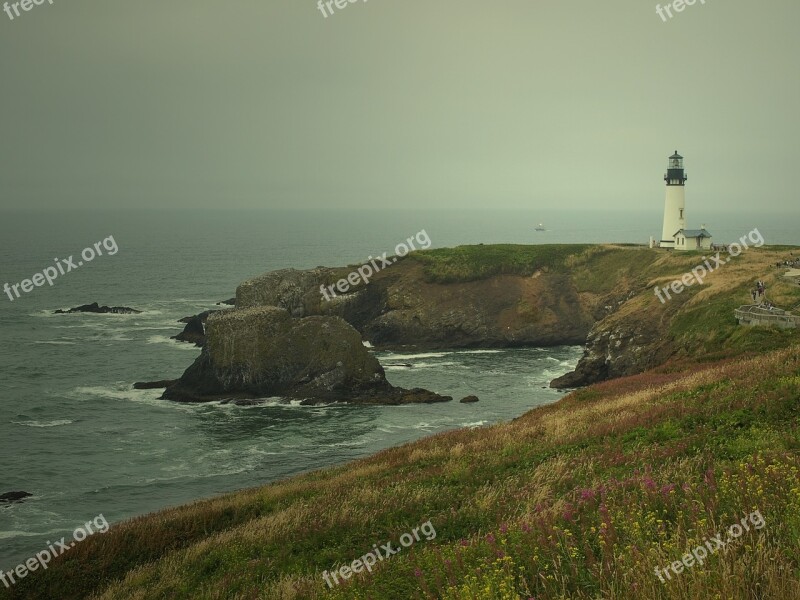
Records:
x=229, y=302
x=203, y=316
x=94, y=307
x=154, y=385
x=195, y=330
x=469, y=400
x=10, y=497
x=263, y=352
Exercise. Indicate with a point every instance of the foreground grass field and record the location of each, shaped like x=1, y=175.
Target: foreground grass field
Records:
x=581, y=499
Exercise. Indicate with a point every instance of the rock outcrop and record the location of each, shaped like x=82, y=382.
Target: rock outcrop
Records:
x=10, y=497
x=263, y=352
x=195, y=330
x=94, y=307
x=627, y=338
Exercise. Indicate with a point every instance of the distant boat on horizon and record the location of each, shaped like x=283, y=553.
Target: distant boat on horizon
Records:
x=540, y=228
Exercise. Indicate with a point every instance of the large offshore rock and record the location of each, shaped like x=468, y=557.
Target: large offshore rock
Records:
x=264, y=352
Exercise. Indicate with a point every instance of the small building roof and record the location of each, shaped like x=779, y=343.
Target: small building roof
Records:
x=693, y=233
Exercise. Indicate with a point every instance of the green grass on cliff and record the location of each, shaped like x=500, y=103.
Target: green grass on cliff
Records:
x=583, y=499
x=709, y=331
x=470, y=263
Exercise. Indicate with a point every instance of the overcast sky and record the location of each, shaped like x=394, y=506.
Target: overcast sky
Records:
x=387, y=103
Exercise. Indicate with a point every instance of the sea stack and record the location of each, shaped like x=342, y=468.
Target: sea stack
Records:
x=264, y=352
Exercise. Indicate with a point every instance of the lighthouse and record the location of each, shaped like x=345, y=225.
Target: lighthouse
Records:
x=675, y=203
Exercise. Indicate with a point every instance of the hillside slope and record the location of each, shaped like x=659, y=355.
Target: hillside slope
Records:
x=582, y=499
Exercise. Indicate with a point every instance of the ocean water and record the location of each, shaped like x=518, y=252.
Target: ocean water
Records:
x=75, y=434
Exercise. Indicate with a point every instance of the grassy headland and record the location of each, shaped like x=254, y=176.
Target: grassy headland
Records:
x=471, y=263
x=581, y=499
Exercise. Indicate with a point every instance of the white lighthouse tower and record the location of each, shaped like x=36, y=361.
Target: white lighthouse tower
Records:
x=675, y=203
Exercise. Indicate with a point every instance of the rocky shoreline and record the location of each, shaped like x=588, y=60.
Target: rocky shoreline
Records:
x=402, y=309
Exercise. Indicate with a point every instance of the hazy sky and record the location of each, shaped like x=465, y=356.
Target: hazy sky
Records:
x=387, y=103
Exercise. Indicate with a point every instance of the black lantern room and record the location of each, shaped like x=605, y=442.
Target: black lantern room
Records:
x=675, y=173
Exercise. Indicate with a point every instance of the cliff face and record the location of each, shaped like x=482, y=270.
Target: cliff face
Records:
x=262, y=352
x=639, y=332
x=625, y=342
x=400, y=308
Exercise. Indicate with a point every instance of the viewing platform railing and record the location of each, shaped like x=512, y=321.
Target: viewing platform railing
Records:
x=756, y=315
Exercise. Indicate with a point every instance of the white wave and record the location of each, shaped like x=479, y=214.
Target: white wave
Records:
x=163, y=339
x=347, y=444
x=120, y=391
x=41, y=424
x=108, y=338
x=390, y=428
x=480, y=351
x=254, y=451
x=550, y=374
x=367, y=344
x=423, y=365
x=54, y=342
x=425, y=426
x=392, y=356
x=125, y=392
x=191, y=475
x=474, y=425
x=273, y=402
x=44, y=314
x=4, y=535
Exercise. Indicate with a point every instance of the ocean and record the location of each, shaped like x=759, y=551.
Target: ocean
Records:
x=76, y=435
